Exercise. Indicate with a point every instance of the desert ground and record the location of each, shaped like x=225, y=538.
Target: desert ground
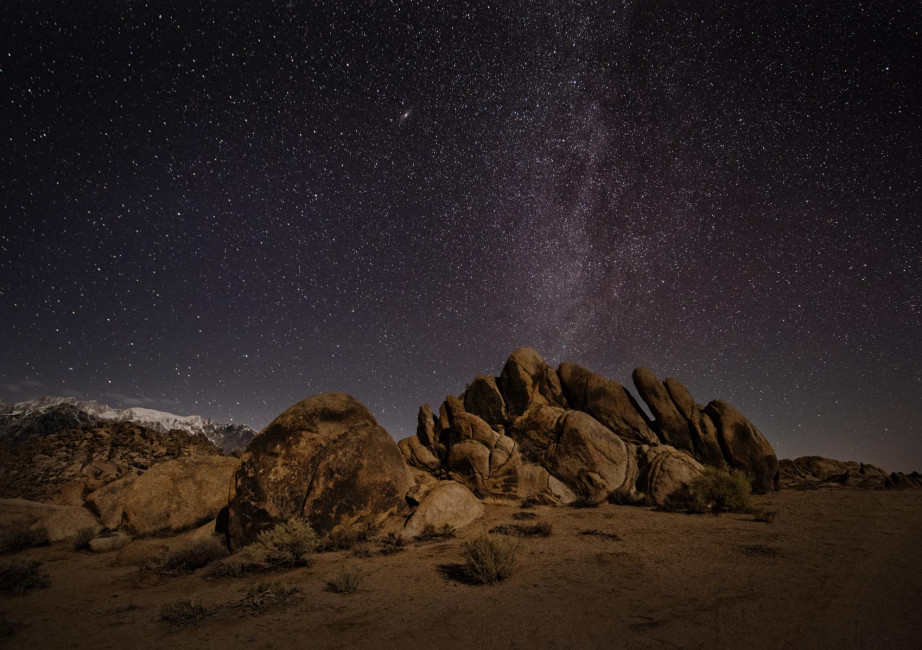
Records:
x=838, y=567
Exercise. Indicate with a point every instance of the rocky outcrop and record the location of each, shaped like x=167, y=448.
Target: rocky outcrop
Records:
x=661, y=470
x=446, y=503
x=326, y=459
x=170, y=497
x=608, y=402
x=559, y=435
x=716, y=434
x=60, y=522
x=810, y=472
x=65, y=466
x=744, y=447
x=527, y=381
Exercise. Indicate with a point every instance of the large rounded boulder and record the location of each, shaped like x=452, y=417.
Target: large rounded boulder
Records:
x=325, y=459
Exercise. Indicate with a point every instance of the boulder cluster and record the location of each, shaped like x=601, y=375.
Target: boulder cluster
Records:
x=569, y=434
x=809, y=472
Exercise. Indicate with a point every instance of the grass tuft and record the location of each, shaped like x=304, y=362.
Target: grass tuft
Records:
x=346, y=580
x=601, y=534
x=540, y=529
x=266, y=596
x=391, y=544
x=184, y=611
x=20, y=535
x=430, y=532
x=19, y=577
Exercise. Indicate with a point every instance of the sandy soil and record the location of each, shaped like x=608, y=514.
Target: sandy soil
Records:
x=837, y=568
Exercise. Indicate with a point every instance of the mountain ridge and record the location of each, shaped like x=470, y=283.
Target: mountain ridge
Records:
x=22, y=419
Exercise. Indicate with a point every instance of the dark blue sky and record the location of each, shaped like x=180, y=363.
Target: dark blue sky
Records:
x=222, y=211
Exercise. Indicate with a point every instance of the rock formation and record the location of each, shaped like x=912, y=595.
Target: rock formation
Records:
x=445, y=503
x=560, y=435
x=169, y=497
x=810, y=472
x=326, y=459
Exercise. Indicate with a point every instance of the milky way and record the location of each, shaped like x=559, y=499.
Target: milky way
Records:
x=223, y=212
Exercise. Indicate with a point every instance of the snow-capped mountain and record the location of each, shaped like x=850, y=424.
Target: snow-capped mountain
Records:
x=39, y=414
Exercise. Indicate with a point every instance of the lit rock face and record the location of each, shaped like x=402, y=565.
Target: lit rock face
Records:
x=325, y=459
x=559, y=435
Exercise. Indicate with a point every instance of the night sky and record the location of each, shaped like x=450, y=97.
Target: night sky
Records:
x=222, y=211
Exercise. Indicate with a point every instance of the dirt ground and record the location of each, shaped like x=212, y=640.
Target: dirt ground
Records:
x=836, y=568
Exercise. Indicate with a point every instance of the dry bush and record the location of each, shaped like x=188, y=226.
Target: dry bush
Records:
x=717, y=490
x=362, y=549
x=231, y=567
x=346, y=580
x=290, y=543
x=265, y=596
x=601, y=534
x=346, y=537
x=489, y=559
x=391, y=544
x=19, y=535
x=184, y=611
x=521, y=516
x=540, y=529
x=430, y=532
x=19, y=577
x=82, y=539
x=190, y=557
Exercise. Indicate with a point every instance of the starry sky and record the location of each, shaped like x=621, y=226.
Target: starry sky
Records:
x=222, y=208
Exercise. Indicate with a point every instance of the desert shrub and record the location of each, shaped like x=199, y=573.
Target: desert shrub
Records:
x=362, y=549
x=717, y=490
x=19, y=577
x=184, y=611
x=19, y=535
x=234, y=566
x=430, y=532
x=346, y=580
x=489, y=559
x=601, y=534
x=521, y=516
x=763, y=515
x=82, y=539
x=190, y=557
x=392, y=543
x=290, y=543
x=540, y=529
x=625, y=498
x=265, y=596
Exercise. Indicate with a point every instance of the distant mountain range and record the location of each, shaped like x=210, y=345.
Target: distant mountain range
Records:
x=46, y=415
